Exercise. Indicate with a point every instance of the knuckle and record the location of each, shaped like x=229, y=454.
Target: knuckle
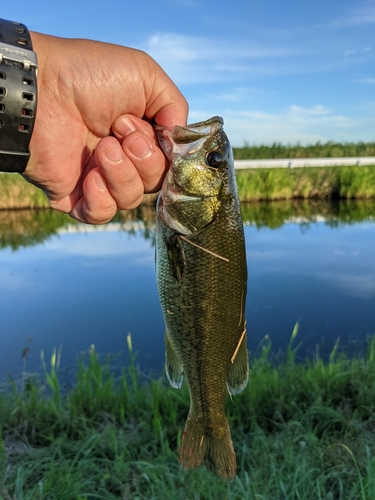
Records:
x=129, y=192
x=98, y=216
x=129, y=204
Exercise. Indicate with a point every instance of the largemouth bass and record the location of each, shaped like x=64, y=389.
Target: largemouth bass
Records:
x=202, y=278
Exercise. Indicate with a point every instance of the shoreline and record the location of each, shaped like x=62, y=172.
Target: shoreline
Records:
x=255, y=184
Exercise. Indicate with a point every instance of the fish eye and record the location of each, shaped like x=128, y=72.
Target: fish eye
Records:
x=213, y=159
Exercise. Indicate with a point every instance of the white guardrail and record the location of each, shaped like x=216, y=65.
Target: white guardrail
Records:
x=305, y=162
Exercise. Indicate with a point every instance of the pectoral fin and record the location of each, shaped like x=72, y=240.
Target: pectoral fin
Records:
x=173, y=366
x=239, y=370
x=176, y=257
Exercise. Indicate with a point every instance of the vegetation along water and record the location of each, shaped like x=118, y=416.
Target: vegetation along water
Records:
x=301, y=431
x=260, y=184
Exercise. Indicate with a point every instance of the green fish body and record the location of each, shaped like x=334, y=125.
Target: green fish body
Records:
x=202, y=281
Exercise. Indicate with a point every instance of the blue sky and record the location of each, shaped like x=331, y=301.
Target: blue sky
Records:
x=282, y=71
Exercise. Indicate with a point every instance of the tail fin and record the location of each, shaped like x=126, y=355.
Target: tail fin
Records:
x=214, y=448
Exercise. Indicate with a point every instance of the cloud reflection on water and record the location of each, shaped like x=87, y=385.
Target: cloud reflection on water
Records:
x=341, y=257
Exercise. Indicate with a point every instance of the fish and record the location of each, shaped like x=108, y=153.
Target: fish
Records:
x=201, y=276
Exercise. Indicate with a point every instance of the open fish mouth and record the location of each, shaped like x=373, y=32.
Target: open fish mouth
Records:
x=186, y=140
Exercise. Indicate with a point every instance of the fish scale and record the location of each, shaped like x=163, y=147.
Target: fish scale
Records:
x=202, y=280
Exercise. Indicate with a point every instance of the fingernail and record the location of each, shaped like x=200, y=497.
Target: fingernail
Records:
x=123, y=127
x=114, y=152
x=101, y=185
x=140, y=148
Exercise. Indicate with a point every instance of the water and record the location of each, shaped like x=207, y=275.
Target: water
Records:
x=73, y=285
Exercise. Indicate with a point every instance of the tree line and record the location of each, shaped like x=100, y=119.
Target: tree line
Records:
x=327, y=149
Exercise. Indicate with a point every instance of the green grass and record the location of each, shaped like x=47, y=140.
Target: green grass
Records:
x=254, y=184
x=15, y=192
x=301, y=431
x=328, y=149
x=322, y=182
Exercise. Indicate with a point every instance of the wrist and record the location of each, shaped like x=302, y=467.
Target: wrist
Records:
x=18, y=95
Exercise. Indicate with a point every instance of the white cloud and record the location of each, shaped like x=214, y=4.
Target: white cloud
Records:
x=315, y=110
x=205, y=48
x=205, y=59
x=317, y=114
x=365, y=80
x=357, y=17
x=352, y=52
x=191, y=59
x=294, y=124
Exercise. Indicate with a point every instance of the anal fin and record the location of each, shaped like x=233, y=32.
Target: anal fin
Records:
x=239, y=370
x=173, y=365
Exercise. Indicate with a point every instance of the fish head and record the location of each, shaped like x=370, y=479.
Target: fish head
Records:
x=200, y=156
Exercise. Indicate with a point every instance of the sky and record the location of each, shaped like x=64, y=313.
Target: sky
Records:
x=276, y=71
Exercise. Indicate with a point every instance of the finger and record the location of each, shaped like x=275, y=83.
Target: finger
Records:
x=151, y=164
x=172, y=114
x=66, y=204
x=121, y=175
x=166, y=105
x=127, y=123
x=147, y=158
x=96, y=205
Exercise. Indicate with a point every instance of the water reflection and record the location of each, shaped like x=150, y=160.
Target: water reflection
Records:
x=65, y=282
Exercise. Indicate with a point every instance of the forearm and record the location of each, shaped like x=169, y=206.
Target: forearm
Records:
x=18, y=95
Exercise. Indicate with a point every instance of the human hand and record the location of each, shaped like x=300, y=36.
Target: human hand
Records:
x=93, y=150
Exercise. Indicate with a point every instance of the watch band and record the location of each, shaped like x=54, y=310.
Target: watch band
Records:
x=18, y=95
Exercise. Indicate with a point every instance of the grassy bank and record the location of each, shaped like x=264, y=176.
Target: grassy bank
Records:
x=324, y=182
x=301, y=431
x=254, y=185
x=15, y=192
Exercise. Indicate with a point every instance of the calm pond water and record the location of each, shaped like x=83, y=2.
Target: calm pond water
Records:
x=64, y=283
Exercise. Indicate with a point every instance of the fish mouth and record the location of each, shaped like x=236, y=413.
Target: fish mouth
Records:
x=181, y=140
x=196, y=131
x=176, y=193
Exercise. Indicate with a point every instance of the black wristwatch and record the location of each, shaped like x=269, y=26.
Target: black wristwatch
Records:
x=18, y=95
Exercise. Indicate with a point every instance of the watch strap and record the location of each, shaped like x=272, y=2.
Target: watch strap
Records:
x=18, y=95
